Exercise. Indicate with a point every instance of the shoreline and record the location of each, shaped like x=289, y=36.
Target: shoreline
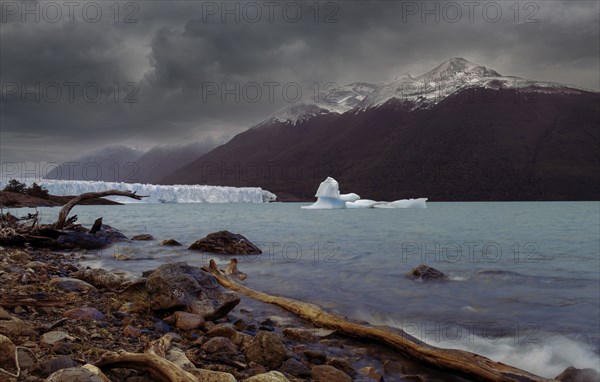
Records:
x=37, y=302
x=16, y=200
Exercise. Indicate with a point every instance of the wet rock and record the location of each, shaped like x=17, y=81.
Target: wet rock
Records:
x=84, y=314
x=342, y=364
x=393, y=367
x=170, y=242
x=426, y=273
x=226, y=330
x=185, y=320
x=55, y=336
x=82, y=239
x=220, y=345
x=326, y=373
x=178, y=285
x=143, y=237
x=316, y=357
x=74, y=374
x=212, y=376
x=100, y=278
x=132, y=331
x=69, y=284
x=271, y=376
x=309, y=335
x=572, y=374
x=178, y=357
x=241, y=339
x=7, y=355
x=266, y=349
x=225, y=243
x=52, y=365
x=371, y=372
x=13, y=326
x=296, y=368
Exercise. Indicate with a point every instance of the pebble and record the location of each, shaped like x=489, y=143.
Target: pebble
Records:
x=84, y=314
x=271, y=376
x=222, y=330
x=296, y=368
x=326, y=373
x=342, y=364
x=185, y=320
x=132, y=331
x=220, y=345
x=71, y=285
x=315, y=357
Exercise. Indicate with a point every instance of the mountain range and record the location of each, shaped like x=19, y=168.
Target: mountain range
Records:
x=460, y=131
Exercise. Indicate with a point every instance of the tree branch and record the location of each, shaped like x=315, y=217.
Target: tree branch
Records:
x=62, y=215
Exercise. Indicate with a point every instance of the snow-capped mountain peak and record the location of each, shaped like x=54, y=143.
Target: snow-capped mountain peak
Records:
x=420, y=92
x=457, y=68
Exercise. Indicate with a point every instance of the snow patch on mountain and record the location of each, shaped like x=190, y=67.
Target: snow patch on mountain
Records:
x=421, y=92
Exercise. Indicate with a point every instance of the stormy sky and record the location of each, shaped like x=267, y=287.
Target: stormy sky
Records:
x=80, y=75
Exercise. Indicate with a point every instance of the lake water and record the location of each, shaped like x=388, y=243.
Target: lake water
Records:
x=525, y=277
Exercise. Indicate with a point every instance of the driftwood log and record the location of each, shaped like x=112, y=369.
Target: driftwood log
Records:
x=62, y=215
x=458, y=362
x=152, y=361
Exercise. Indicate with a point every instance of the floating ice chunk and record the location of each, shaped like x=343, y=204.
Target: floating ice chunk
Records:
x=403, y=203
x=362, y=203
x=352, y=197
x=326, y=203
x=329, y=188
x=328, y=197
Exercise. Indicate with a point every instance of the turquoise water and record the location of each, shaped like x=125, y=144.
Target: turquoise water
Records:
x=525, y=277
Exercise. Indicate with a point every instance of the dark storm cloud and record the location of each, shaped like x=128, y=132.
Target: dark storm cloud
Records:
x=163, y=68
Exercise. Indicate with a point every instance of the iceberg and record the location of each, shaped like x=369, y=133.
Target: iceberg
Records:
x=329, y=197
x=158, y=193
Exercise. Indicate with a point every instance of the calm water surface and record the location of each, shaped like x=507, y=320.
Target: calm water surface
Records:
x=525, y=277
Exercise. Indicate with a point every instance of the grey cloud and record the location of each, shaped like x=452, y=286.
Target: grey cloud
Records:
x=173, y=51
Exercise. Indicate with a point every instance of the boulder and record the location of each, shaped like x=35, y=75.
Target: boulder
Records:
x=212, y=376
x=84, y=314
x=225, y=243
x=7, y=355
x=572, y=374
x=74, y=374
x=326, y=373
x=342, y=364
x=271, y=376
x=143, y=237
x=185, y=320
x=101, y=278
x=426, y=273
x=69, y=284
x=266, y=349
x=178, y=285
x=221, y=346
x=169, y=242
x=296, y=368
x=85, y=240
x=225, y=329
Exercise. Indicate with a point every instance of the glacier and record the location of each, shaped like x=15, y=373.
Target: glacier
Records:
x=158, y=193
x=329, y=198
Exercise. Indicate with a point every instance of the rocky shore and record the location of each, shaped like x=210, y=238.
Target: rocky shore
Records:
x=57, y=317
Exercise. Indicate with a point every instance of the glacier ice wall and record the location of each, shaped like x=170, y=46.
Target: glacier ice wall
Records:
x=159, y=193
